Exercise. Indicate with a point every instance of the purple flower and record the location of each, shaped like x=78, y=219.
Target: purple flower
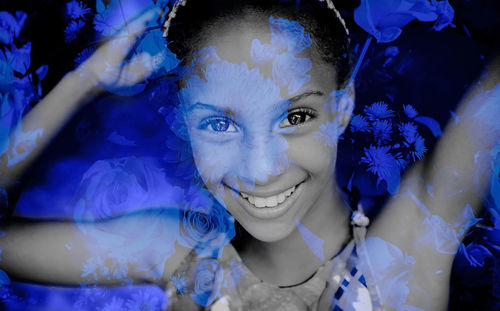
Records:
x=382, y=130
x=73, y=29
x=11, y=26
x=383, y=19
x=207, y=278
x=445, y=14
x=384, y=165
x=378, y=110
x=359, y=124
x=410, y=111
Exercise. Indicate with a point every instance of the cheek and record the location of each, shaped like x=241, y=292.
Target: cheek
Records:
x=312, y=155
x=214, y=161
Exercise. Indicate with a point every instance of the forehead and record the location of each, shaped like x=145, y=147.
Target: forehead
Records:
x=255, y=61
x=235, y=37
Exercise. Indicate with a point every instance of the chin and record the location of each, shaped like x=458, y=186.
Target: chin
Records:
x=269, y=233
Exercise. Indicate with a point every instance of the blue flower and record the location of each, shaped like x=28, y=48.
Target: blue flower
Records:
x=409, y=131
x=73, y=29
x=144, y=300
x=378, y=110
x=382, y=130
x=83, y=56
x=391, y=269
x=116, y=186
x=19, y=59
x=475, y=254
x=359, y=124
x=290, y=71
x=162, y=60
x=383, y=19
x=384, y=165
x=116, y=304
x=445, y=14
x=233, y=276
x=410, y=111
x=206, y=226
x=6, y=75
x=418, y=149
x=180, y=283
x=11, y=26
x=76, y=9
x=330, y=132
x=207, y=278
x=289, y=35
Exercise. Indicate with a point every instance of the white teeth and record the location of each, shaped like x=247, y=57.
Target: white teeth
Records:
x=260, y=202
x=251, y=199
x=281, y=198
x=271, y=201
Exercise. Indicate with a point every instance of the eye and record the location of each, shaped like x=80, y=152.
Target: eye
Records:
x=219, y=124
x=298, y=117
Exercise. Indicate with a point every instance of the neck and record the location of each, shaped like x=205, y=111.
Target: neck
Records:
x=291, y=260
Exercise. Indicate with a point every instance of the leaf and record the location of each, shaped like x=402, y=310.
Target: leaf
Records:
x=431, y=124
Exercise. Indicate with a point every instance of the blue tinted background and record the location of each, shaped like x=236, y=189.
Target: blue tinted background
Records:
x=426, y=69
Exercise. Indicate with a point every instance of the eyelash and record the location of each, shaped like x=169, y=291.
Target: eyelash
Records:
x=224, y=124
x=309, y=114
x=221, y=124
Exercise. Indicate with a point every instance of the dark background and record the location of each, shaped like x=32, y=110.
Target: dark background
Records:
x=432, y=71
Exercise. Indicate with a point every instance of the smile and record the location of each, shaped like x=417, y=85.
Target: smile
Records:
x=273, y=206
x=271, y=201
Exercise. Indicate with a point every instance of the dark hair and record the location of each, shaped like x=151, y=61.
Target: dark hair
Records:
x=328, y=33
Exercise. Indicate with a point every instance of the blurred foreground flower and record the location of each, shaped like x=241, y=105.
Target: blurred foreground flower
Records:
x=383, y=19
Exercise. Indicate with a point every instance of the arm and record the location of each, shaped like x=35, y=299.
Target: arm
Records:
x=80, y=86
x=428, y=217
x=133, y=248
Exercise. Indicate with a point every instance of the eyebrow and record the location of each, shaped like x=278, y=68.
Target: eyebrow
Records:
x=225, y=111
x=305, y=94
x=229, y=112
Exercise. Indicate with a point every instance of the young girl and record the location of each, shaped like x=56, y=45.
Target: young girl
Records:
x=263, y=95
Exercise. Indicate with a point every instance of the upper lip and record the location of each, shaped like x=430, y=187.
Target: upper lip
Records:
x=267, y=192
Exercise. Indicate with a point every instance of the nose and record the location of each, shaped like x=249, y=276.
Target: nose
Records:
x=264, y=159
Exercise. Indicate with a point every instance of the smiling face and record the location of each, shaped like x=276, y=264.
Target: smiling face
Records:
x=262, y=124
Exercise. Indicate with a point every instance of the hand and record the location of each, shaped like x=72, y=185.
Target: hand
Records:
x=115, y=64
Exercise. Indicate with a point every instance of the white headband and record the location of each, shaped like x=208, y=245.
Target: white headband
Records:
x=178, y=3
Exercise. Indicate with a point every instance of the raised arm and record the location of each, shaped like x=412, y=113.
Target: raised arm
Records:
x=438, y=198
x=135, y=248
x=82, y=85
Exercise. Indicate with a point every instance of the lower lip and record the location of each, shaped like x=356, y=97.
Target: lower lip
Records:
x=272, y=212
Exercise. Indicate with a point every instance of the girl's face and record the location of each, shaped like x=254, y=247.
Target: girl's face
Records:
x=262, y=126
